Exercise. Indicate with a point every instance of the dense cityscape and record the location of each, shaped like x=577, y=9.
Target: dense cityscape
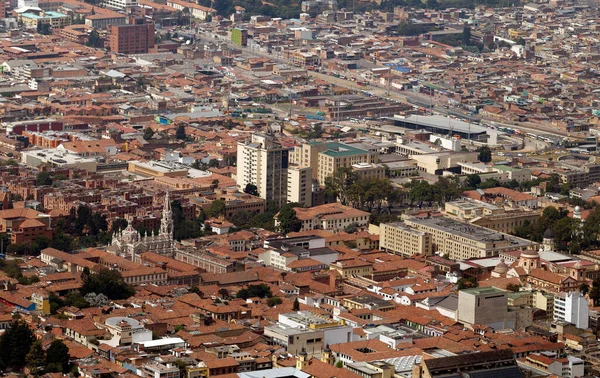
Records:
x=310, y=189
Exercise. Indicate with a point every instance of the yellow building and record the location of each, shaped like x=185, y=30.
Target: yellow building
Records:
x=350, y=268
x=402, y=240
x=42, y=303
x=32, y=17
x=327, y=158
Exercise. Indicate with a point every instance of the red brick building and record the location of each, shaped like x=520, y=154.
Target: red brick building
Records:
x=137, y=37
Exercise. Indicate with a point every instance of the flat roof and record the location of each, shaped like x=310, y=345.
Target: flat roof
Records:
x=160, y=342
x=469, y=231
x=335, y=149
x=440, y=122
x=482, y=290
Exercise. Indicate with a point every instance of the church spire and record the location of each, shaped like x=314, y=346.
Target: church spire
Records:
x=166, y=222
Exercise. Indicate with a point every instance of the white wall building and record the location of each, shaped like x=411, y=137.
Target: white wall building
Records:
x=572, y=307
x=299, y=185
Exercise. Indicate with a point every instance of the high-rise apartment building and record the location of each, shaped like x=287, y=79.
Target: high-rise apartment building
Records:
x=264, y=163
x=299, y=185
x=137, y=37
x=572, y=307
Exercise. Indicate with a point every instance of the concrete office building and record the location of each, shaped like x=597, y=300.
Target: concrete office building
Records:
x=264, y=163
x=402, y=240
x=58, y=158
x=338, y=155
x=486, y=305
x=327, y=158
x=490, y=216
x=304, y=330
x=464, y=241
x=572, y=307
x=299, y=185
x=137, y=37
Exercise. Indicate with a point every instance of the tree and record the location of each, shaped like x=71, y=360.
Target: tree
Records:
x=108, y=282
x=216, y=209
x=288, y=220
x=44, y=29
x=466, y=36
x=296, y=305
x=584, y=288
x=595, y=292
x=43, y=178
x=57, y=357
x=96, y=300
x=485, y=154
x=214, y=163
x=466, y=283
x=339, y=364
x=513, y=287
x=15, y=344
x=180, y=132
x=274, y=301
x=251, y=189
x=148, y=133
x=93, y=39
x=520, y=41
x=260, y=291
x=36, y=358
x=224, y=293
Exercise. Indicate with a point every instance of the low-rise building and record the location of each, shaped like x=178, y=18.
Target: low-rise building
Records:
x=333, y=216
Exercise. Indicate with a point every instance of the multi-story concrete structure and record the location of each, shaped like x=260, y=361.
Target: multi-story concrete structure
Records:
x=279, y=253
x=327, y=158
x=58, y=158
x=137, y=37
x=486, y=305
x=264, y=163
x=33, y=18
x=303, y=330
x=369, y=171
x=239, y=36
x=158, y=370
x=464, y=241
x=104, y=20
x=299, y=185
x=572, y=307
x=402, y=240
x=490, y=216
x=338, y=155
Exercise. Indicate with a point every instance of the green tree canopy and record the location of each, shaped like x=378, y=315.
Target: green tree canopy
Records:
x=108, y=282
x=288, y=220
x=148, y=133
x=251, y=189
x=260, y=291
x=485, y=154
x=180, y=132
x=15, y=344
x=43, y=178
x=57, y=357
x=36, y=358
x=216, y=209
